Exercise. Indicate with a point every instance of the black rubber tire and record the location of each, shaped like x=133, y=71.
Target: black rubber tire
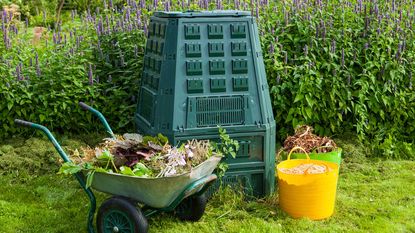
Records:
x=121, y=213
x=191, y=208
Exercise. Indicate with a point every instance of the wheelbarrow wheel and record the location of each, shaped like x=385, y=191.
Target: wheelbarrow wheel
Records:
x=118, y=214
x=191, y=208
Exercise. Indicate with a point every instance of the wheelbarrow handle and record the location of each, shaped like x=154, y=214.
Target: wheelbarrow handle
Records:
x=23, y=123
x=84, y=106
x=98, y=114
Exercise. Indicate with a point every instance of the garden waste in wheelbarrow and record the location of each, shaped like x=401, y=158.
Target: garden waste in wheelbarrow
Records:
x=155, y=192
x=182, y=194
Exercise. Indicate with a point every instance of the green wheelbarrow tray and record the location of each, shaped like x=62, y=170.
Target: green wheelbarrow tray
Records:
x=156, y=192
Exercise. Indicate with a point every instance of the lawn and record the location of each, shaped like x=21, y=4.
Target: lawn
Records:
x=374, y=195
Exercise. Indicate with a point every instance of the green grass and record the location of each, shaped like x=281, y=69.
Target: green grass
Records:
x=374, y=195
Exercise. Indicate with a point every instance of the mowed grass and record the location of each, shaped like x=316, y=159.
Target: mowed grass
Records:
x=373, y=195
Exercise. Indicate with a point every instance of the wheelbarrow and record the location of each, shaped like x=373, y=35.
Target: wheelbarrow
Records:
x=134, y=199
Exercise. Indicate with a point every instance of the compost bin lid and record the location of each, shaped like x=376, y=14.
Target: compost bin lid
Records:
x=217, y=13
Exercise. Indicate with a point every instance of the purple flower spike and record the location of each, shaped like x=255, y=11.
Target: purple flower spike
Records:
x=5, y=37
x=305, y=50
x=90, y=75
x=36, y=59
x=400, y=47
x=333, y=46
x=317, y=31
x=127, y=14
x=18, y=75
x=219, y=5
x=167, y=6
x=122, y=59
x=38, y=73
x=271, y=48
x=342, y=57
x=285, y=57
x=135, y=51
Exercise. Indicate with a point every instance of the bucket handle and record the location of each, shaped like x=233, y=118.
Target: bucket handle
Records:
x=308, y=158
x=296, y=148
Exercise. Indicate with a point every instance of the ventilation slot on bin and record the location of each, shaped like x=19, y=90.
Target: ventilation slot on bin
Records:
x=212, y=111
x=240, y=183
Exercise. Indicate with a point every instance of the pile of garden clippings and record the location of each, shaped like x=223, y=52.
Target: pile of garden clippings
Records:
x=308, y=141
x=146, y=156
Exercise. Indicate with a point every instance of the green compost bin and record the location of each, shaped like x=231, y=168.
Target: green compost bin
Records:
x=204, y=69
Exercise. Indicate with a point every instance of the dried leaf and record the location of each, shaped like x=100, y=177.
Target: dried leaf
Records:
x=138, y=138
x=155, y=146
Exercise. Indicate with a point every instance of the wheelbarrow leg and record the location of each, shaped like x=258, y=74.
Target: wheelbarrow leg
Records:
x=65, y=158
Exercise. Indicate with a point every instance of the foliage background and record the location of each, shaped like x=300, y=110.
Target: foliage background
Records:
x=337, y=65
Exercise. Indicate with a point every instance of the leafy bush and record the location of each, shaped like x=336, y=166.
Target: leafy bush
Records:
x=340, y=65
x=43, y=81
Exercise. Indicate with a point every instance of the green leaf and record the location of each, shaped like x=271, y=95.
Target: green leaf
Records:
x=126, y=171
x=89, y=178
x=69, y=168
x=42, y=117
x=298, y=97
x=309, y=112
x=105, y=156
x=141, y=170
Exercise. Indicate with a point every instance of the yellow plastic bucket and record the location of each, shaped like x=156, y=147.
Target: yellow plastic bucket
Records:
x=307, y=195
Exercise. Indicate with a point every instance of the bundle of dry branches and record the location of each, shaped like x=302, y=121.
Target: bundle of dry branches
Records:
x=305, y=139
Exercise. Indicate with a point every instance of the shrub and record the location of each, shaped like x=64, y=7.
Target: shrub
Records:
x=336, y=65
